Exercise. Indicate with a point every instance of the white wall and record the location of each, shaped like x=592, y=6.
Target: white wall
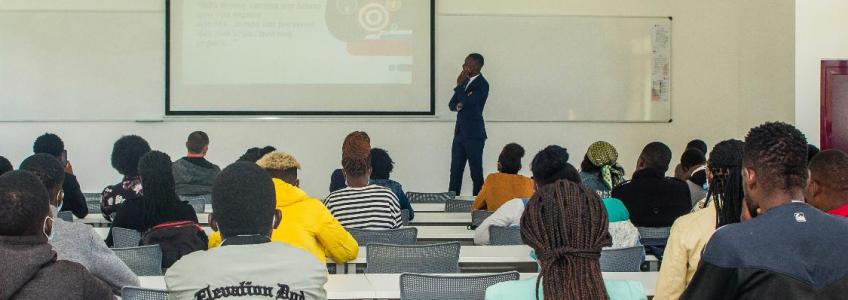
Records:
x=820, y=34
x=714, y=58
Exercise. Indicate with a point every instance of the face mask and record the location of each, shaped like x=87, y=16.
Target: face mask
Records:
x=44, y=229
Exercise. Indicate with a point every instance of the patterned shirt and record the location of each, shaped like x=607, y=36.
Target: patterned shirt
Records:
x=114, y=195
x=370, y=207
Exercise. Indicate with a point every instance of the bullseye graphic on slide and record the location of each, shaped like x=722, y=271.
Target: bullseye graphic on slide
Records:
x=373, y=17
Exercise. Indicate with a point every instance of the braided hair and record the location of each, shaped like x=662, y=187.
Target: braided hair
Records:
x=160, y=194
x=566, y=223
x=356, y=153
x=725, y=165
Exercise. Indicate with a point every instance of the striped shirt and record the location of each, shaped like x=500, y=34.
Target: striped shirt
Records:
x=370, y=207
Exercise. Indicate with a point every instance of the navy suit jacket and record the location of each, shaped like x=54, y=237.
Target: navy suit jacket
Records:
x=469, y=120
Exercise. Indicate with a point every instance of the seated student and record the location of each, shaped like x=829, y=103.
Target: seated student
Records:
x=307, y=224
x=193, y=174
x=337, y=180
x=125, y=155
x=549, y=165
x=789, y=249
x=568, y=250
x=247, y=263
x=362, y=205
x=74, y=199
x=507, y=184
x=828, y=188
x=159, y=204
x=77, y=242
x=30, y=267
x=622, y=231
x=5, y=166
x=691, y=232
x=652, y=199
x=693, y=166
x=381, y=168
x=600, y=170
x=693, y=144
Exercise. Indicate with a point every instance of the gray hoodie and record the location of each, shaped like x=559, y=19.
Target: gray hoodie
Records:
x=31, y=271
x=77, y=242
x=194, y=175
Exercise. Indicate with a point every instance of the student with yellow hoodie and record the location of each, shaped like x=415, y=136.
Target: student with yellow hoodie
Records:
x=306, y=223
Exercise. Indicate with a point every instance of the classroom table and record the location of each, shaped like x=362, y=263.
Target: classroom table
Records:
x=97, y=220
x=432, y=234
x=441, y=219
x=428, y=207
x=337, y=287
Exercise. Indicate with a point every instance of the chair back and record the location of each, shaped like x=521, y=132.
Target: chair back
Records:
x=499, y=236
x=124, y=238
x=429, y=197
x=143, y=261
x=404, y=217
x=654, y=232
x=400, y=236
x=434, y=258
x=66, y=216
x=453, y=205
x=137, y=293
x=198, y=202
x=623, y=259
x=478, y=216
x=421, y=286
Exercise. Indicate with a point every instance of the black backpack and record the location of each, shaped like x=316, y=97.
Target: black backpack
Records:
x=176, y=239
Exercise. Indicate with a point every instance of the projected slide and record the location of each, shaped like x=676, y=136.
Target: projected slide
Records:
x=299, y=56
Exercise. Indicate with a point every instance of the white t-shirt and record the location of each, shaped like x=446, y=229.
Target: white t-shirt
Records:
x=271, y=270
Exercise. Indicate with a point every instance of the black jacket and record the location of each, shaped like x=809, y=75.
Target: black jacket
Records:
x=793, y=251
x=31, y=271
x=131, y=216
x=653, y=199
x=74, y=200
x=469, y=120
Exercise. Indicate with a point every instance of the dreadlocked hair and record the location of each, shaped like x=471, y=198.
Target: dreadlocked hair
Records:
x=356, y=153
x=566, y=224
x=160, y=194
x=725, y=190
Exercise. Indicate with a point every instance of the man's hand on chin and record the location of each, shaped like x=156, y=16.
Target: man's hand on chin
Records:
x=459, y=106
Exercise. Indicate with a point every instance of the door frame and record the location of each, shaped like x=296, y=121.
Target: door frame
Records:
x=829, y=68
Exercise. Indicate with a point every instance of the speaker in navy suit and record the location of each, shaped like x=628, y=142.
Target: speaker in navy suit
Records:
x=469, y=137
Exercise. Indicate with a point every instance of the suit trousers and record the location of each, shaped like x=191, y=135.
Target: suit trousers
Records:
x=466, y=150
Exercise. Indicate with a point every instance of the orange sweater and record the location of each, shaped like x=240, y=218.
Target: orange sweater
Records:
x=500, y=188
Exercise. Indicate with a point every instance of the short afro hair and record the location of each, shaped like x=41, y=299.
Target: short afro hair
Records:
x=551, y=164
x=830, y=169
x=510, y=158
x=656, y=155
x=196, y=142
x=478, y=58
x=778, y=153
x=278, y=161
x=381, y=164
x=5, y=166
x=24, y=203
x=692, y=157
x=48, y=143
x=243, y=200
x=47, y=168
x=126, y=152
x=698, y=144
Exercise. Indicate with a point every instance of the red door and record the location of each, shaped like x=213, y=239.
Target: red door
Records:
x=834, y=104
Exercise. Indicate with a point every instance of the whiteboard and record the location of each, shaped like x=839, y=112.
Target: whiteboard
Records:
x=565, y=68
x=81, y=63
